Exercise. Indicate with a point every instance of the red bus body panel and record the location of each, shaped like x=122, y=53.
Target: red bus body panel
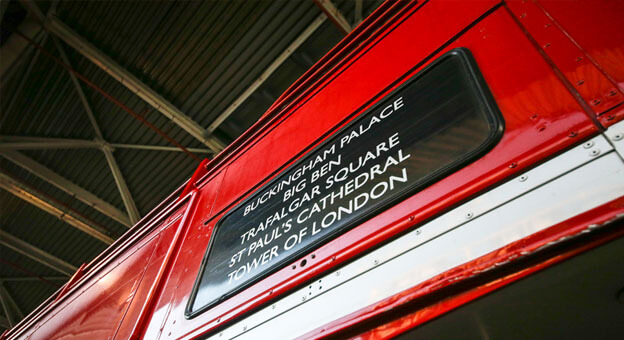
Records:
x=557, y=80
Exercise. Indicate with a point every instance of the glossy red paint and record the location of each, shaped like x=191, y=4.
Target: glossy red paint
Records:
x=543, y=116
x=598, y=90
x=589, y=24
x=505, y=54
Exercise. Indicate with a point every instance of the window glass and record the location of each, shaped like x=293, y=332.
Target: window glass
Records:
x=436, y=122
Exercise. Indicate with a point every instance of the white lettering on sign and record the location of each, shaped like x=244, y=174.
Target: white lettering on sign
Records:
x=321, y=192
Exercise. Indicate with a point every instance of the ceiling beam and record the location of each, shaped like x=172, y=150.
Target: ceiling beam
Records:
x=66, y=185
x=33, y=278
x=3, y=6
x=36, y=254
x=55, y=26
x=358, y=12
x=24, y=77
x=267, y=73
x=122, y=186
x=38, y=143
x=43, y=143
x=18, y=314
x=13, y=49
x=333, y=13
x=120, y=181
x=79, y=90
x=12, y=320
x=157, y=148
x=4, y=323
x=53, y=207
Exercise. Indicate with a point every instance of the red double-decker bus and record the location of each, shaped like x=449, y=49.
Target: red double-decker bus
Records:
x=450, y=170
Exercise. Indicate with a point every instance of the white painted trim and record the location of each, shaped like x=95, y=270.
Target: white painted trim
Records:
x=585, y=177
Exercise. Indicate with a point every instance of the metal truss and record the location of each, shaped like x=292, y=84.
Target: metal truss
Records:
x=53, y=207
x=41, y=143
x=36, y=254
x=334, y=15
x=67, y=186
x=9, y=306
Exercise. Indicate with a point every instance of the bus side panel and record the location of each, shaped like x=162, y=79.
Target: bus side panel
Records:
x=588, y=56
x=194, y=245
x=130, y=319
x=533, y=105
x=388, y=60
x=596, y=26
x=96, y=308
x=96, y=311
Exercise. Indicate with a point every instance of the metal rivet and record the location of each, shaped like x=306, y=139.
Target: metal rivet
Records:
x=411, y=218
x=303, y=298
x=523, y=15
x=218, y=320
x=272, y=306
x=573, y=134
x=513, y=165
x=594, y=152
x=376, y=262
x=617, y=136
x=612, y=93
x=580, y=82
x=588, y=145
x=244, y=328
x=469, y=215
x=610, y=117
x=523, y=178
x=221, y=334
x=546, y=45
x=338, y=273
x=579, y=58
x=417, y=231
x=595, y=102
x=534, y=116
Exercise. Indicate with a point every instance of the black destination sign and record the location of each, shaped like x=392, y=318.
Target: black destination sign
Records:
x=435, y=122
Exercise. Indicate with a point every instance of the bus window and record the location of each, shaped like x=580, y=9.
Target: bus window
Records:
x=433, y=124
